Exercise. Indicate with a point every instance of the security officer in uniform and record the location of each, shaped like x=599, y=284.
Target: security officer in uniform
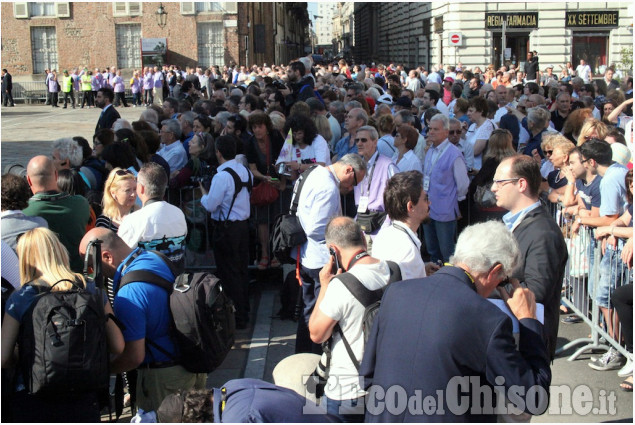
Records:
x=228, y=202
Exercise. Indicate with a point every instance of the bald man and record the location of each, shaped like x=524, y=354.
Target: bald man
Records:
x=67, y=215
x=142, y=308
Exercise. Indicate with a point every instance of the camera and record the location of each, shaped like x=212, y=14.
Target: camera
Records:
x=279, y=85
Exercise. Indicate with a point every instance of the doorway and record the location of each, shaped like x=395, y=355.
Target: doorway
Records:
x=517, y=42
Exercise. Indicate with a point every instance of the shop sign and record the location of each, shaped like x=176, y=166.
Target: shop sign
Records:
x=591, y=19
x=518, y=20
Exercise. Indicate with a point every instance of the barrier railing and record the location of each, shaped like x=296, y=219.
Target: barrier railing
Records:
x=590, y=273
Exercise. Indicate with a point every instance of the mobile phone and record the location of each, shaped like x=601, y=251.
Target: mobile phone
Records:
x=504, y=282
x=336, y=263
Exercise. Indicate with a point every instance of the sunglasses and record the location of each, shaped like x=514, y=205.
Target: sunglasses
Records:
x=548, y=152
x=354, y=178
x=361, y=139
x=455, y=131
x=394, y=133
x=123, y=172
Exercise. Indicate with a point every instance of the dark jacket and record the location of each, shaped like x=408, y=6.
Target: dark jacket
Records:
x=431, y=332
x=301, y=91
x=543, y=259
x=7, y=82
x=107, y=118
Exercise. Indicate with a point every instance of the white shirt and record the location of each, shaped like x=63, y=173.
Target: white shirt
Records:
x=442, y=107
x=174, y=154
x=151, y=224
x=318, y=150
x=408, y=162
x=468, y=152
x=340, y=305
x=221, y=193
x=400, y=244
x=319, y=202
x=583, y=71
x=475, y=133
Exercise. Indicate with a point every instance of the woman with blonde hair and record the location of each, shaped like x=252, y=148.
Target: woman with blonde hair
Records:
x=386, y=142
x=323, y=126
x=44, y=264
x=120, y=195
x=481, y=200
x=592, y=129
x=556, y=182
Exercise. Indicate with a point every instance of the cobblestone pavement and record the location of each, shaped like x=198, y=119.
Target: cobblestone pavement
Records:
x=29, y=130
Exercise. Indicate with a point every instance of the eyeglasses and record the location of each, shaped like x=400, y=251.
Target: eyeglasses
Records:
x=585, y=160
x=354, y=178
x=394, y=133
x=548, y=152
x=361, y=140
x=123, y=172
x=502, y=182
x=455, y=132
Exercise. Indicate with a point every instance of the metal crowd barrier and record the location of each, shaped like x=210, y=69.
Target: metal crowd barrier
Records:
x=200, y=241
x=583, y=278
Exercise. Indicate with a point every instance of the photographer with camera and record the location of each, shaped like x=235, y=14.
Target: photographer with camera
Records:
x=301, y=84
x=338, y=314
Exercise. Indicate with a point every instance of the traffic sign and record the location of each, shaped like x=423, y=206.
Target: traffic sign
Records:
x=456, y=39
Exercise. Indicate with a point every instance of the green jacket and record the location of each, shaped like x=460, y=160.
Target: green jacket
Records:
x=67, y=215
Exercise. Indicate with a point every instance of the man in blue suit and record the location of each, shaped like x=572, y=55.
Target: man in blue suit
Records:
x=439, y=351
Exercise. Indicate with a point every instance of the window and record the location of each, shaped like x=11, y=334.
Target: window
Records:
x=41, y=8
x=43, y=49
x=192, y=8
x=128, y=45
x=209, y=6
x=211, y=46
x=126, y=8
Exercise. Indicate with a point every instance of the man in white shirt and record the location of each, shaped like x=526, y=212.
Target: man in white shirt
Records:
x=584, y=71
x=172, y=149
x=408, y=207
x=318, y=202
x=158, y=225
x=228, y=203
x=338, y=314
x=455, y=136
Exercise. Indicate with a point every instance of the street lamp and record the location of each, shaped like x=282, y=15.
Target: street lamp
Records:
x=162, y=16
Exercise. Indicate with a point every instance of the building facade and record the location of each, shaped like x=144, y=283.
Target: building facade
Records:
x=59, y=35
x=324, y=25
x=420, y=33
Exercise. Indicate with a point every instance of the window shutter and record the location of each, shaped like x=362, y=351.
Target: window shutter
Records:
x=230, y=6
x=119, y=8
x=20, y=10
x=62, y=10
x=187, y=8
x=134, y=8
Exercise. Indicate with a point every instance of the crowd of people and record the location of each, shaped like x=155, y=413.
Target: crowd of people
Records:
x=442, y=171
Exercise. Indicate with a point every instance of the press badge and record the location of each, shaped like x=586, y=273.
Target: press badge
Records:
x=426, y=183
x=363, y=204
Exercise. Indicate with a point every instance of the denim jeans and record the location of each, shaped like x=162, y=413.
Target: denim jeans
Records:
x=440, y=237
x=334, y=407
x=613, y=274
x=310, y=291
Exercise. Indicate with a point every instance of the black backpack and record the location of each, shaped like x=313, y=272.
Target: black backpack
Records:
x=203, y=317
x=371, y=300
x=62, y=342
x=287, y=232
